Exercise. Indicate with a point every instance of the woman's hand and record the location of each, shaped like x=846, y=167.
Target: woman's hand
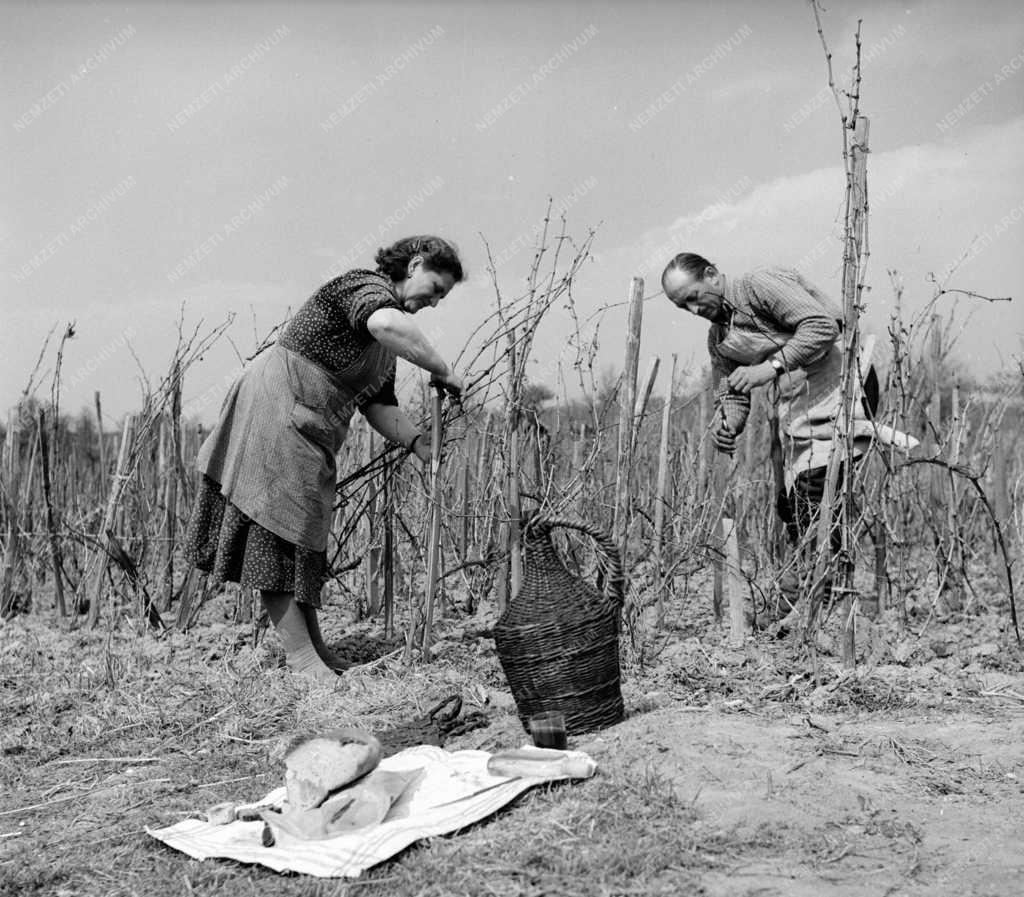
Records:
x=748, y=377
x=421, y=447
x=451, y=383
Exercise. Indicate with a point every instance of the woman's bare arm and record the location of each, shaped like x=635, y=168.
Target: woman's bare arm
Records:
x=394, y=424
x=395, y=331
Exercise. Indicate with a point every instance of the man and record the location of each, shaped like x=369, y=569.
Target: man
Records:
x=773, y=328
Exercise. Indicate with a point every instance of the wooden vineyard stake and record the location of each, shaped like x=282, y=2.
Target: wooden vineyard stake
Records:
x=371, y=571
x=371, y=560
x=116, y=491
x=389, y=556
x=434, y=538
x=51, y=527
x=627, y=407
x=186, y=597
x=883, y=590
x=12, y=548
x=510, y=570
x=1001, y=505
x=102, y=445
x=778, y=483
x=840, y=458
x=723, y=502
x=661, y=489
x=464, y=501
x=739, y=626
x=642, y=398
x=169, y=460
x=705, y=451
x=937, y=477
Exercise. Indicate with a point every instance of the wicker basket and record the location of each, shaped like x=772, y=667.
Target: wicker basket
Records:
x=558, y=640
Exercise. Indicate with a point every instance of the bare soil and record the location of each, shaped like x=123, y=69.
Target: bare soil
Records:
x=737, y=771
x=825, y=804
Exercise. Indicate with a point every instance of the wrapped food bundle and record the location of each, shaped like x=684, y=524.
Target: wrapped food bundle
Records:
x=334, y=787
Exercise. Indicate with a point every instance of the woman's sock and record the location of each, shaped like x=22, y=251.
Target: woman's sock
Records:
x=313, y=626
x=293, y=631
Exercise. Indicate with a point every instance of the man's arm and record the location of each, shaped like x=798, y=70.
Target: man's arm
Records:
x=796, y=306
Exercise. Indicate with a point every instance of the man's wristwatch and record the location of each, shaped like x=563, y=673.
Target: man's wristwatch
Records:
x=779, y=367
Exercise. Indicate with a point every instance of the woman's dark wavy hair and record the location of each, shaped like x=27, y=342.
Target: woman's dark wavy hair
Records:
x=438, y=255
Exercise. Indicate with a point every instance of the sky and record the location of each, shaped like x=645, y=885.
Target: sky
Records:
x=168, y=165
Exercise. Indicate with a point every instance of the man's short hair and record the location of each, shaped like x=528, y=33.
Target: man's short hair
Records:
x=689, y=262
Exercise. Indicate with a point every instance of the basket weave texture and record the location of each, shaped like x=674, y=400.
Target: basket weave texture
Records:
x=558, y=640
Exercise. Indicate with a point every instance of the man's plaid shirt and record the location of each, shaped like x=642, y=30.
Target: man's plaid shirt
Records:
x=771, y=301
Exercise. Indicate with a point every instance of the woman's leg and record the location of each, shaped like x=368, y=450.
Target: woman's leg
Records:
x=313, y=625
x=290, y=624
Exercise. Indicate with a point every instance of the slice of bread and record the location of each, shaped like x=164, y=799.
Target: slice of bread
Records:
x=316, y=765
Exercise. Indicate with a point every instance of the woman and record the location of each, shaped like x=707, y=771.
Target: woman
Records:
x=265, y=503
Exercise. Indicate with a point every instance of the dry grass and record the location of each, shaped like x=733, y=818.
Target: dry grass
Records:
x=107, y=732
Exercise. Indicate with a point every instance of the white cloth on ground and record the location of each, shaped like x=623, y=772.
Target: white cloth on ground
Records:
x=455, y=790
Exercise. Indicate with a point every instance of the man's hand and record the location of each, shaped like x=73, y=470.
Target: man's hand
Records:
x=723, y=438
x=749, y=377
x=451, y=383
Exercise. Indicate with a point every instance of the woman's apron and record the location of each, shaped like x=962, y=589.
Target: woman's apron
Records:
x=281, y=425
x=809, y=399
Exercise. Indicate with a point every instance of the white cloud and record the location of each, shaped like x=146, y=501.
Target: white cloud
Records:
x=756, y=84
x=928, y=203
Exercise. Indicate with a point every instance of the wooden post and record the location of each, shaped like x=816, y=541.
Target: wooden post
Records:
x=841, y=458
x=851, y=315
x=722, y=522
x=934, y=373
x=464, y=501
x=102, y=446
x=12, y=550
x=510, y=572
x=170, y=459
x=577, y=467
x=777, y=527
x=186, y=597
x=662, y=485
x=577, y=451
x=627, y=406
x=956, y=542
x=514, y=564
x=434, y=543
x=51, y=526
x=1001, y=505
x=883, y=588
x=642, y=398
x=705, y=452
x=739, y=626
x=389, y=555
x=113, y=501
x=371, y=571
x=661, y=489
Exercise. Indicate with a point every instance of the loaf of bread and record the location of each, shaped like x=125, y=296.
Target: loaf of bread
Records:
x=541, y=763
x=316, y=765
x=362, y=805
